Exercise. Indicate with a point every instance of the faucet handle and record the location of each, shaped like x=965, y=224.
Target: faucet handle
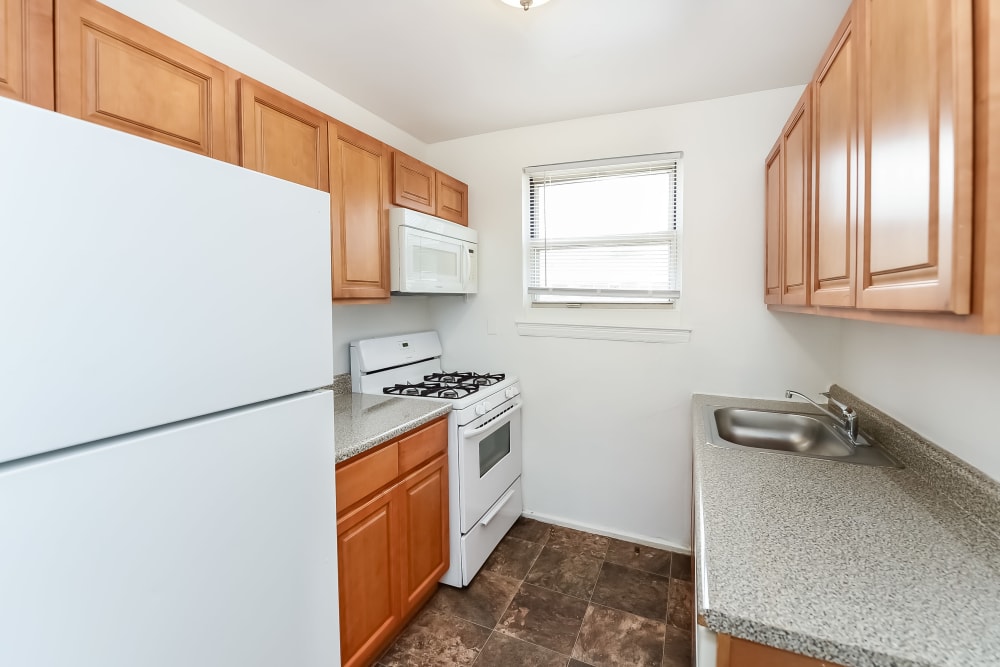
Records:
x=837, y=404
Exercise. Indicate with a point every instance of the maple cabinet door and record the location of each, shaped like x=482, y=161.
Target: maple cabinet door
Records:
x=796, y=209
x=424, y=511
x=413, y=184
x=359, y=192
x=27, y=70
x=282, y=137
x=368, y=553
x=772, y=217
x=915, y=240
x=117, y=72
x=452, y=199
x=835, y=137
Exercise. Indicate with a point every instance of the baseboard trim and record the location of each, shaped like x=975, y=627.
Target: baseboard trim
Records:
x=644, y=540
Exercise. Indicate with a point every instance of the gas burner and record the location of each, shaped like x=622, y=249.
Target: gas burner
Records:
x=432, y=390
x=466, y=378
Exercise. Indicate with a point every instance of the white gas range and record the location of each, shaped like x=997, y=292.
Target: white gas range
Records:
x=484, y=438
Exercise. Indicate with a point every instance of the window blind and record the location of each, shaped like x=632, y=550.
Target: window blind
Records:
x=604, y=231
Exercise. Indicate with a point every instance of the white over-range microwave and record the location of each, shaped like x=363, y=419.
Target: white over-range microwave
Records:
x=428, y=255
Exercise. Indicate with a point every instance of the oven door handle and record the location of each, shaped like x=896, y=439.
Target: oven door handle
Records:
x=487, y=427
x=489, y=516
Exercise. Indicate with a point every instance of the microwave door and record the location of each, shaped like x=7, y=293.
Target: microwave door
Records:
x=433, y=263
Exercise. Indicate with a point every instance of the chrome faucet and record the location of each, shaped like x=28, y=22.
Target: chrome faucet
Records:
x=847, y=420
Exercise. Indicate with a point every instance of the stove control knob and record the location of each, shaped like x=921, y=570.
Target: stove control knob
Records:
x=509, y=392
x=480, y=408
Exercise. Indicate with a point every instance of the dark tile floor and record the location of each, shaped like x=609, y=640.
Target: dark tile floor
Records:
x=555, y=597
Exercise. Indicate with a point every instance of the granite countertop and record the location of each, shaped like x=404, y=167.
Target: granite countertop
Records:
x=862, y=566
x=362, y=421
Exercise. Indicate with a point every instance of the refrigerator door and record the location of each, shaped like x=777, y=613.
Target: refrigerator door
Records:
x=211, y=542
x=142, y=284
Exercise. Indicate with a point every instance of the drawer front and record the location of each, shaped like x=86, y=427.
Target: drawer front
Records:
x=367, y=474
x=423, y=445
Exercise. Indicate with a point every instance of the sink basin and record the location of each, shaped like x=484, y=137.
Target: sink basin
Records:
x=785, y=432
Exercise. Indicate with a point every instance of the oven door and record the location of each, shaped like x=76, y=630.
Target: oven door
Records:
x=489, y=459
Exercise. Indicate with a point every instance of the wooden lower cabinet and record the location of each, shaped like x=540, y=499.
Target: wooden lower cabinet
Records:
x=424, y=513
x=116, y=72
x=368, y=546
x=392, y=538
x=733, y=652
x=26, y=60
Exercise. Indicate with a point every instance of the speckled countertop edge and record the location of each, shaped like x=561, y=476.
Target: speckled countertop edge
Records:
x=734, y=603
x=364, y=421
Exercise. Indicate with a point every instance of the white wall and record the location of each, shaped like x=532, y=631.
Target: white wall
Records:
x=607, y=424
x=403, y=315
x=943, y=385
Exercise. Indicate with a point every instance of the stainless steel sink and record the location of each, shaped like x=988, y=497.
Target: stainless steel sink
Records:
x=786, y=432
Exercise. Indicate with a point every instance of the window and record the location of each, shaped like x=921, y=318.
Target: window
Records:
x=604, y=231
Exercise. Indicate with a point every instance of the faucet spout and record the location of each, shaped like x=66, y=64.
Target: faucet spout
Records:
x=846, y=418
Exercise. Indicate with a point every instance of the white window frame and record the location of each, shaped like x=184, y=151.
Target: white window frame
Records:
x=560, y=297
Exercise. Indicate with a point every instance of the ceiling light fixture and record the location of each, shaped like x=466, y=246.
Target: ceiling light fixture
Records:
x=525, y=4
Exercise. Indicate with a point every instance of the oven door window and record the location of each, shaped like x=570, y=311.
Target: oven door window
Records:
x=493, y=448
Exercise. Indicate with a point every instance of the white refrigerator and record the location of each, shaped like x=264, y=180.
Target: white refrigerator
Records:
x=166, y=460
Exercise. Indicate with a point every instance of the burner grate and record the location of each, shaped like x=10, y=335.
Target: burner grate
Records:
x=432, y=390
x=467, y=378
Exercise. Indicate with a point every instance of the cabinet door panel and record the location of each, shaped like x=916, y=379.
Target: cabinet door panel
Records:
x=27, y=71
x=282, y=137
x=368, y=553
x=413, y=184
x=425, y=525
x=796, y=189
x=772, y=215
x=119, y=73
x=359, y=218
x=835, y=137
x=917, y=114
x=733, y=652
x=452, y=199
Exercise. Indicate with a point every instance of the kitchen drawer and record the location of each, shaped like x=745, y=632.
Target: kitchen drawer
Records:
x=423, y=445
x=367, y=474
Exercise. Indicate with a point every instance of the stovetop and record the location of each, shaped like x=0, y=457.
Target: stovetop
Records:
x=451, y=385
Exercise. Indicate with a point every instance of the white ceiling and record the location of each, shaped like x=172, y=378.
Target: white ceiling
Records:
x=442, y=69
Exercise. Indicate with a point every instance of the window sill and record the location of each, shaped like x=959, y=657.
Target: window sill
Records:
x=600, y=332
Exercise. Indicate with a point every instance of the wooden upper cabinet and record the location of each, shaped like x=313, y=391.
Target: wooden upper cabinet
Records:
x=915, y=240
x=27, y=71
x=835, y=161
x=772, y=216
x=424, y=512
x=359, y=220
x=413, y=184
x=452, y=199
x=795, y=203
x=282, y=137
x=117, y=72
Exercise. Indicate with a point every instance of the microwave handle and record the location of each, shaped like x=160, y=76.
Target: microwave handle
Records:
x=468, y=264
x=477, y=431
